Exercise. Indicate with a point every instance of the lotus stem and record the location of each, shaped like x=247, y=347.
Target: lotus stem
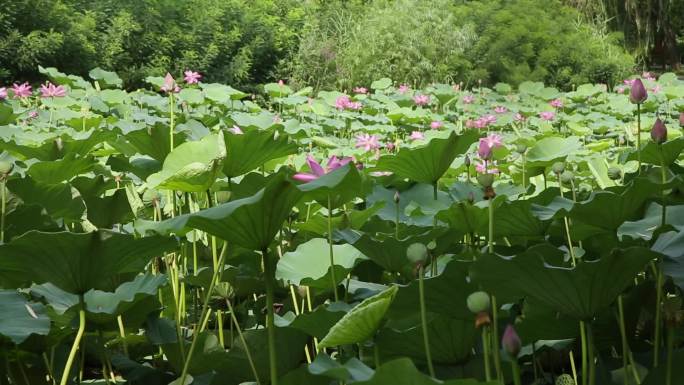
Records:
x=516, y=371
x=244, y=342
x=590, y=348
x=269, y=272
x=566, y=222
x=75, y=345
x=639, y=137
x=330, y=249
x=623, y=335
x=495, y=339
x=658, y=316
x=434, y=189
x=423, y=320
x=172, y=122
x=485, y=353
x=203, y=314
x=663, y=178
x=670, y=348
x=490, y=238
x=3, y=197
x=122, y=333
x=585, y=365
x=572, y=366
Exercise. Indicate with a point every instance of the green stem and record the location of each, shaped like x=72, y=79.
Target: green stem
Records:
x=376, y=355
x=330, y=249
x=172, y=123
x=3, y=197
x=203, y=314
x=516, y=371
x=244, y=342
x=485, y=353
x=663, y=178
x=269, y=272
x=590, y=348
x=623, y=335
x=423, y=320
x=75, y=345
x=434, y=190
x=490, y=238
x=524, y=181
x=567, y=228
x=670, y=348
x=495, y=339
x=396, y=222
x=658, y=319
x=122, y=333
x=639, y=136
x=585, y=365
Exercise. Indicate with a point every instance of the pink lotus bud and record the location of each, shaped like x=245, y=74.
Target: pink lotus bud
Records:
x=659, y=132
x=681, y=119
x=638, y=94
x=511, y=341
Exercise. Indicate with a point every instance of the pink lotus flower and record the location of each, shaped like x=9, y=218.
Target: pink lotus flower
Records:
x=389, y=146
x=489, y=119
x=468, y=99
x=436, y=125
x=345, y=103
x=648, y=76
x=192, y=77
x=170, y=84
x=317, y=170
x=511, y=342
x=547, y=115
x=456, y=87
x=629, y=82
x=21, y=90
x=417, y=135
x=556, y=103
x=487, y=145
x=281, y=82
x=500, y=110
x=367, y=142
x=361, y=90
x=620, y=89
x=518, y=117
x=236, y=130
x=421, y=100
x=49, y=90
x=404, y=89
x=33, y=114
x=3, y=93
x=656, y=89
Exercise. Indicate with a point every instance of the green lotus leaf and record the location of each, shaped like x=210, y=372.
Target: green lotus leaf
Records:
x=551, y=149
x=671, y=244
x=403, y=372
x=277, y=90
x=153, y=141
x=339, y=186
x=77, y=262
x=192, y=166
x=105, y=78
x=252, y=149
x=654, y=153
x=451, y=341
x=353, y=369
x=250, y=222
x=52, y=172
x=579, y=292
x=381, y=84
x=361, y=323
x=20, y=318
x=428, y=163
x=57, y=199
x=309, y=264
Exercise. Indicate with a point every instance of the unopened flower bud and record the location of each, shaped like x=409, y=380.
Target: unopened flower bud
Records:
x=558, y=168
x=659, y=132
x=466, y=161
x=5, y=168
x=681, y=119
x=396, y=197
x=638, y=94
x=417, y=253
x=478, y=302
x=567, y=176
x=511, y=341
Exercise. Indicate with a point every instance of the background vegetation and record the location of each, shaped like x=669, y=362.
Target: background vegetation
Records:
x=341, y=43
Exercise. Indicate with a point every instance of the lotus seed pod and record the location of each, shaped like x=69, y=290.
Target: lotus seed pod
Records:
x=485, y=180
x=417, y=253
x=223, y=196
x=511, y=341
x=520, y=148
x=5, y=168
x=565, y=379
x=638, y=94
x=567, y=176
x=478, y=302
x=614, y=173
x=659, y=132
x=558, y=168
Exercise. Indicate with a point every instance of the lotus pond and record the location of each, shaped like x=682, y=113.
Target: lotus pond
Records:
x=190, y=233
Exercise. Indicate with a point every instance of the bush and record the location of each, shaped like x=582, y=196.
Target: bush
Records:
x=420, y=42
